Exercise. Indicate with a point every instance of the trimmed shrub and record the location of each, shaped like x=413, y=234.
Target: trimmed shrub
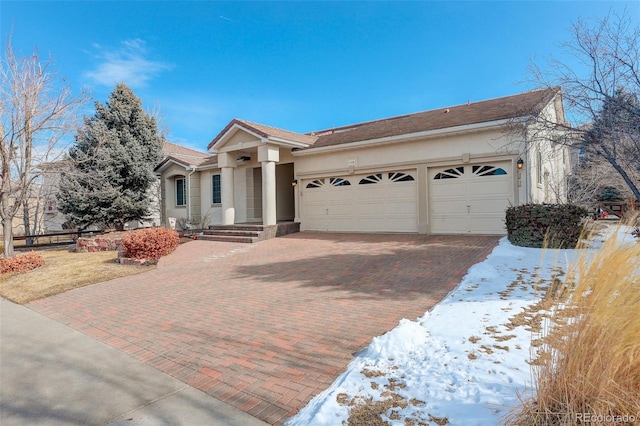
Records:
x=21, y=263
x=150, y=243
x=545, y=225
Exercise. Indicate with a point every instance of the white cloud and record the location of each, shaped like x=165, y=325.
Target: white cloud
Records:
x=128, y=63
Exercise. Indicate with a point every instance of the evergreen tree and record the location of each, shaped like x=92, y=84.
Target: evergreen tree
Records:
x=110, y=171
x=615, y=136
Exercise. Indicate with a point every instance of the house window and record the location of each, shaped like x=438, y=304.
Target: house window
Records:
x=539, y=167
x=216, y=191
x=181, y=193
x=50, y=205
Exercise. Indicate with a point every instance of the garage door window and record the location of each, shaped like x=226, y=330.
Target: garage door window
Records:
x=400, y=177
x=450, y=173
x=371, y=179
x=318, y=183
x=488, y=171
x=339, y=182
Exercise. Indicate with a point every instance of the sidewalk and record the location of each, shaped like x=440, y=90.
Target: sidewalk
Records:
x=51, y=374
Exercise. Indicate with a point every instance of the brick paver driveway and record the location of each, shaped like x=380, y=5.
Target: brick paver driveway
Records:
x=265, y=327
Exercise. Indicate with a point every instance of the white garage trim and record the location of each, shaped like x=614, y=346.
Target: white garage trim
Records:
x=373, y=202
x=470, y=198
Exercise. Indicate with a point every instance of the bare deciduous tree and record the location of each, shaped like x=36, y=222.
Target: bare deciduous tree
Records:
x=37, y=109
x=604, y=76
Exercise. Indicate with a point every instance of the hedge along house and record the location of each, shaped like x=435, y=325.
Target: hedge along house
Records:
x=451, y=170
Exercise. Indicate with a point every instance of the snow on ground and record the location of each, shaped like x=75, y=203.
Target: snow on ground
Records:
x=466, y=360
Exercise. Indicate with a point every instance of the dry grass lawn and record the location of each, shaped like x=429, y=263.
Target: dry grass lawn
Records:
x=64, y=270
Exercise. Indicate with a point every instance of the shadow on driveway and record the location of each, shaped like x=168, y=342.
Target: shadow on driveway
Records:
x=265, y=327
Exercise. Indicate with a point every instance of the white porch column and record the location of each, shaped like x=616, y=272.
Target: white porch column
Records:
x=268, y=157
x=227, y=164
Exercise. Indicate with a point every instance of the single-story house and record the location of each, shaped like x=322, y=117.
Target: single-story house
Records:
x=452, y=170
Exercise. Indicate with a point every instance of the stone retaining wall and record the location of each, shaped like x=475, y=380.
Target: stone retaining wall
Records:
x=106, y=243
x=101, y=243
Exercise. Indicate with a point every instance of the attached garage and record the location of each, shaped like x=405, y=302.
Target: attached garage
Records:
x=372, y=202
x=470, y=198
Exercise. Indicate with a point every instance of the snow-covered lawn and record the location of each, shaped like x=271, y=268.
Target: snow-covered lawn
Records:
x=464, y=362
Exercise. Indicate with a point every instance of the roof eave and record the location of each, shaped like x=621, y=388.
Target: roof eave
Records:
x=285, y=142
x=167, y=162
x=448, y=131
x=227, y=132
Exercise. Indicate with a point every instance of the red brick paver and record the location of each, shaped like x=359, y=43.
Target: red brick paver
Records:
x=265, y=327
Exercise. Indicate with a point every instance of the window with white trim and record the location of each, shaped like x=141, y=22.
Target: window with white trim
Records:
x=181, y=192
x=539, y=167
x=50, y=206
x=216, y=190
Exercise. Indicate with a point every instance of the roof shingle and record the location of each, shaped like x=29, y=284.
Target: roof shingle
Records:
x=504, y=108
x=442, y=118
x=177, y=151
x=265, y=132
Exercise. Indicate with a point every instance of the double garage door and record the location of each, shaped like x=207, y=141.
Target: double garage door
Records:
x=469, y=198
x=375, y=202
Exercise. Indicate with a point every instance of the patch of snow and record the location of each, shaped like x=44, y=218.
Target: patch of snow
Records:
x=464, y=359
x=622, y=234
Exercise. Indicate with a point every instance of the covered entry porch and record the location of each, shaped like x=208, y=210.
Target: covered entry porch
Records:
x=256, y=173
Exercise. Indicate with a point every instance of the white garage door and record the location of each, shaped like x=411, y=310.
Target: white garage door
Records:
x=470, y=198
x=375, y=202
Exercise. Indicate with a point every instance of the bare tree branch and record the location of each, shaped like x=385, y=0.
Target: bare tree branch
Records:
x=37, y=109
x=598, y=76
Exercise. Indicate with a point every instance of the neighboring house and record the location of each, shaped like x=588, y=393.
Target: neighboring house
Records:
x=450, y=170
x=42, y=209
x=52, y=219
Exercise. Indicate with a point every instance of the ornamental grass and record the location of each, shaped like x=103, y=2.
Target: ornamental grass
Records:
x=589, y=371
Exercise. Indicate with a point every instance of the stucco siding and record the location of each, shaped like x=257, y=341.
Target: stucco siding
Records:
x=391, y=155
x=480, y=148
x=169, y=193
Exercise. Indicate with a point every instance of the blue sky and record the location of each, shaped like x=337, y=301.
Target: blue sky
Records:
x=301, y=66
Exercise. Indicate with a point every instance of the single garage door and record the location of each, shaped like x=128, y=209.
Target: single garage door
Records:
x=470, y=198
x=374, y=202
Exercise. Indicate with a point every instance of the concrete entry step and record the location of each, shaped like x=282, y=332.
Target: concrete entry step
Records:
x=247, y=232
x=228, y=238
x=230, y=232
x=237, y=227
x=233, y=233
